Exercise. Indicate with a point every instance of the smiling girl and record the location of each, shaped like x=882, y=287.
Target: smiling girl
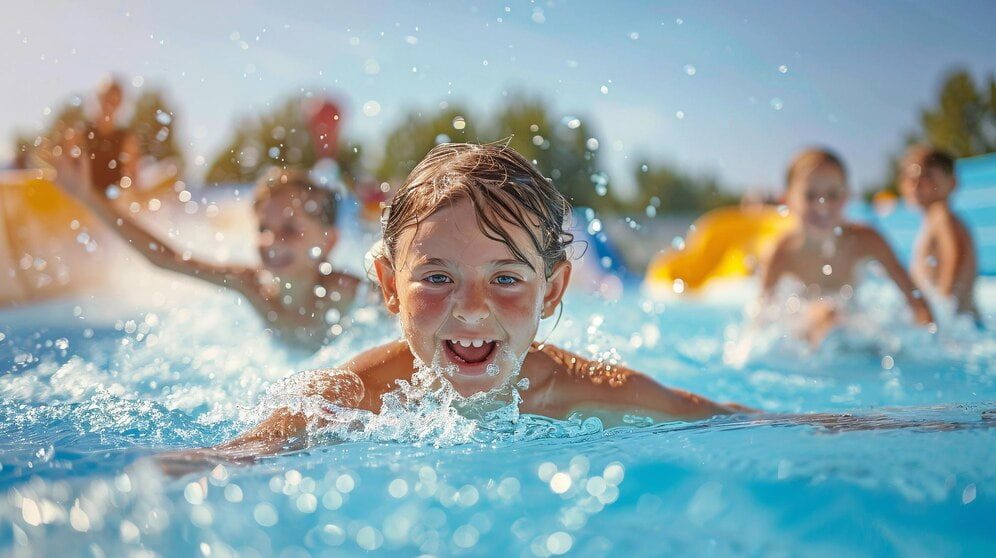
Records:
x=473, y=256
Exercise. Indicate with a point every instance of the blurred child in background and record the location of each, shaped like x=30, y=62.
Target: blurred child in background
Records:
x=944, y=260
x=823, y=250
x=295, y=288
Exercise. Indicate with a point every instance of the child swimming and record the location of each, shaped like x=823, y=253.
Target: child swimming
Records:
x=473, y=257
x=944, y=258
x=294, y=289
x=823, y=250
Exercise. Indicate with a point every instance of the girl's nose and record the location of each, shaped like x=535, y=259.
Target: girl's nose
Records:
x=470, y=307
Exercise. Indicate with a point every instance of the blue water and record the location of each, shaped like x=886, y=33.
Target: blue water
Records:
x=90, y=387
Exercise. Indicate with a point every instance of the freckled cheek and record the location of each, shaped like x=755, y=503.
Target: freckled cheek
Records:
x=425, y=308
x=517, y=306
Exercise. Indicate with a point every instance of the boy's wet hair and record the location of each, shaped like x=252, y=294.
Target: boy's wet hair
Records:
x=809, y=159
x=928, y=156
x=504, y=188
x=317, y=201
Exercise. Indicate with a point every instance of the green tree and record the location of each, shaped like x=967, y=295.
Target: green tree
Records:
x=963, y=122
x=419, y=132
x=670, y=190
x=154, y=126
x=277, y=138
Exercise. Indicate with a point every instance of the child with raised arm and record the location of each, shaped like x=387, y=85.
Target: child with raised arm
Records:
x=823, y=250
x=294, y=289
x=944, y=258
x=473, y=256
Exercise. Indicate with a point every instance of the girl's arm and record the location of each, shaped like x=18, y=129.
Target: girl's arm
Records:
x=582, y=384
x=284, y=430
x=879, y=249
x=74, y=178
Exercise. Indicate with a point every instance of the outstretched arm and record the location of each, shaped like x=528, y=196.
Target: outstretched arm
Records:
x=879, y=249
x=73, y=176
x=284, y=430
x=609, y=390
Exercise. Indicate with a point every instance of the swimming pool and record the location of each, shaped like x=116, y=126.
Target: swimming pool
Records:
x=90, y=386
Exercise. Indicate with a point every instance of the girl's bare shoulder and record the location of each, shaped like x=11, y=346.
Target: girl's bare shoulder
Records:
x=547, y=363
x=389, y=361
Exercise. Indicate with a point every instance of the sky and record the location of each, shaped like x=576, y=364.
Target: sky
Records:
x=731, y=89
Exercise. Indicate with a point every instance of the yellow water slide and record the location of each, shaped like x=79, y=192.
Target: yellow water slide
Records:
x=724, y=243
x=50, y=245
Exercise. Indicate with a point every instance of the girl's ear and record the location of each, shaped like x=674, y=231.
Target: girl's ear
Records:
x=388, y=284
x=556, y=286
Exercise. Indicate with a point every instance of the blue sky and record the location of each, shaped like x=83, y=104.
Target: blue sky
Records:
x=730, y=88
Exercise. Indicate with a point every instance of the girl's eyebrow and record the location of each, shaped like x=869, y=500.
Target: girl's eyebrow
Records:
x=439, y=262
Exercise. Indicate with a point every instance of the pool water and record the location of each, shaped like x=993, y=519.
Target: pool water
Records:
x=90, y=387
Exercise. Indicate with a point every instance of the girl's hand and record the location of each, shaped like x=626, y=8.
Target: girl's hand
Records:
x=72, y=167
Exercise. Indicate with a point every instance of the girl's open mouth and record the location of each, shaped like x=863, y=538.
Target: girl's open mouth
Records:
x=471, y=355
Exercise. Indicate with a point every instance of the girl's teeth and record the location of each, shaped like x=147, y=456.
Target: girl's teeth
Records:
x=471, y=343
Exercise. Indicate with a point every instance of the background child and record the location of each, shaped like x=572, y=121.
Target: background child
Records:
x=291, y=289
x=473, y=257
x=944, y=259
x=823, y=250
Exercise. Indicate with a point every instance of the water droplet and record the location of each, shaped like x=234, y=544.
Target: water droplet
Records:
x=783, y=69
x=690, y=70
x=777, y=104
x=560, y=483
x=591, y=144
x=332, y=317
x=371, y=108
x=827, y=269
x=678, y=286
x=604, y=89
x=459, y=123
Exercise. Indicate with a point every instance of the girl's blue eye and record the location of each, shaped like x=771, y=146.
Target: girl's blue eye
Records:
x=437, y=279
x=506, y=280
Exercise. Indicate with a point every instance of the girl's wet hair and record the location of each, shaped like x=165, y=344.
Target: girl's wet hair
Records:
x=504, y=188
x=809, y=159
x=279, y=179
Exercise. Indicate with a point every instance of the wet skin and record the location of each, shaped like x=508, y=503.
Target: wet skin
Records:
x=944, y=256
x=824, y=250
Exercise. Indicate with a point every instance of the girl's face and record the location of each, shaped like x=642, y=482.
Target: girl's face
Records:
x=817, y=199
x=465, y=303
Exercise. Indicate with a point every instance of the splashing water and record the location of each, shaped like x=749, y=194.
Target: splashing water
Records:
x=90, y=388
